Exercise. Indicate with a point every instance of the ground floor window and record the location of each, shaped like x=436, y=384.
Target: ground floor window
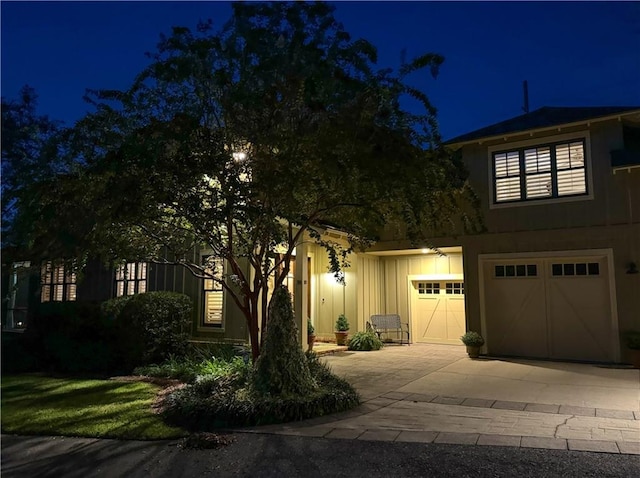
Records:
x=58, y=283
x=213, y=292
x=131, y=278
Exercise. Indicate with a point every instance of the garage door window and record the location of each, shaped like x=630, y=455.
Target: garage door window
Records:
x=576, y=269
x=454, y=288
x=516, y=270
x=428, y=287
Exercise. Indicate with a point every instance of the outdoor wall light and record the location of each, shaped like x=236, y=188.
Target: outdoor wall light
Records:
x=632, y=268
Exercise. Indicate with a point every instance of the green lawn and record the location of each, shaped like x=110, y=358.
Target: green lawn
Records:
x=39, y=405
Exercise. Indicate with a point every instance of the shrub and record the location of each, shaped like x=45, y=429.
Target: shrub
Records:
x=364, y=341
x=342, y=324
x=111, y=309
x=472, y=339
x=281, y=368
x=632, y=340
x=152, y=327
x=16, y=356
x=72, y=337
x=229, y=400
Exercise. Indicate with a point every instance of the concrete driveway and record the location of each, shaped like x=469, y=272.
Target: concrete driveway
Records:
x=435, y=393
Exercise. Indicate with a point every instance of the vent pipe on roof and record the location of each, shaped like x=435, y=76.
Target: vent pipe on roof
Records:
x=525, y=90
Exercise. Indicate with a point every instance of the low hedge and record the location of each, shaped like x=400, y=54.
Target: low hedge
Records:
x=229, y=400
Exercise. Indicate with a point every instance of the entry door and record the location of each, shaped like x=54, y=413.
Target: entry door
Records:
x=437, y=311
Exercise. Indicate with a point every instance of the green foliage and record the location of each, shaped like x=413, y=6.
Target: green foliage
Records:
x=632, y=339
x=153, y=326
x=319, y=129
x=473, y=339
x=230, y=401
x=72, y=337
x=311, y=330
x=342, y=324
x=281, y=368
x=112, y=308
x=16, y=355
x=31, y=153
x=189, y=370
x=364, y=341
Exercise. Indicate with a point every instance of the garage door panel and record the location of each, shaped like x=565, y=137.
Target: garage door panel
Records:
x=437, y=316
x=580, y=329
x=563, y=311
x=456, y=322
x=512, y=325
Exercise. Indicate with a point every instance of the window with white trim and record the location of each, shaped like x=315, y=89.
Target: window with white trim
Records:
x=213, y=292
x=57, y=283
x=547, y=171
x=131, y=278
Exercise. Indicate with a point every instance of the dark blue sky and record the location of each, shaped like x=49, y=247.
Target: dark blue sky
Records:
x=572, y=54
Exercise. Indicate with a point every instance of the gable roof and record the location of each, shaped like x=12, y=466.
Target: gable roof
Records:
x=544, y=117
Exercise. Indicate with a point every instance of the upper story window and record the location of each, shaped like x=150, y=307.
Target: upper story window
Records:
x=57, y=282
x=131, y=278
x=554, y=170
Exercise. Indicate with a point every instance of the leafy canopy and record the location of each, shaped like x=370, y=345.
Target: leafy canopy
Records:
x=249, y=140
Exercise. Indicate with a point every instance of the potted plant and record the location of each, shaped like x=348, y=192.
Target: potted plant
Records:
x=311, y=334
x=342, y=330
x=473, y=341
x=633, y=344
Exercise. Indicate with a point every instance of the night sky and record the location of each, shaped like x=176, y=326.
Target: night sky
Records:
x=572, y=54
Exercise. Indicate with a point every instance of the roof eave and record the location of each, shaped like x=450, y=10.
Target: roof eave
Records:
x=505, y=136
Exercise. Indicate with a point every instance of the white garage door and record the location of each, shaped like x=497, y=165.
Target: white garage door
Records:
x=555, y=308
x=437, y=311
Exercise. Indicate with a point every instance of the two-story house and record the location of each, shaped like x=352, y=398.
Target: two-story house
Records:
x=554, y=275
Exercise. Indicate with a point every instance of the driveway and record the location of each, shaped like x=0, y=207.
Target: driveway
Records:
x=435, y=393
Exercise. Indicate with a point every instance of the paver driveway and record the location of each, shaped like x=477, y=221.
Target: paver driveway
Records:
x=434, y=393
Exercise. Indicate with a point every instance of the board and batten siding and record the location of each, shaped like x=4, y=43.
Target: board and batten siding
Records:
x=369, y=287
x=612, y=199
x=329, y=298
x=396, y=269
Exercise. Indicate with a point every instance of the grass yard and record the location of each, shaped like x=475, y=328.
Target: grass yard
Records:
x=40, y=405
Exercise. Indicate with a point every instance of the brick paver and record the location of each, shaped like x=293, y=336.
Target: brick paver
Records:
x=434, y=393
x=457, y=438
x=593, y=445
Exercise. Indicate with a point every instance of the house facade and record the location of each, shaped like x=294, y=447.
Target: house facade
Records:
x=552, y=277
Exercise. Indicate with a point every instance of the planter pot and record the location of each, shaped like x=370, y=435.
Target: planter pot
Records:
x=473, y=351
x=341, y=338
x=311, y=339
x=635, y=357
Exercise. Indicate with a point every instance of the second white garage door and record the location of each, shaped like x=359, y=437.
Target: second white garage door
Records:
x=437, y=311
x=554, y=307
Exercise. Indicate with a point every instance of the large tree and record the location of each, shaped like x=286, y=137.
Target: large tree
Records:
x=245, y=141
x=32, y=153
